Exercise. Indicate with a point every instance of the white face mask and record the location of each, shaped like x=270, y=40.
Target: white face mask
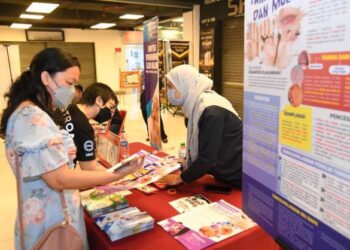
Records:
x=63, y=96
x=173, y=100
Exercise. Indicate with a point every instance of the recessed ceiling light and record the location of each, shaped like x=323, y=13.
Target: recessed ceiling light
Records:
x=103, y=25
x=131, y=16
x=178, y=20
x=42, y=7
x=31, y=16
x=20, y=26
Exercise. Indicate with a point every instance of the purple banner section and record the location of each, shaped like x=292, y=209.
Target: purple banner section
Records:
x=151, y=76
x=317, y=164
x=287, y=223
x=260, y=137
x=150, y=48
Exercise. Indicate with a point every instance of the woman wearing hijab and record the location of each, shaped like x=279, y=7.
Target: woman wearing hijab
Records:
x=214, y=129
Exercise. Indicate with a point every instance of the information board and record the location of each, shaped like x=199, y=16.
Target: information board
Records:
x=296, y=157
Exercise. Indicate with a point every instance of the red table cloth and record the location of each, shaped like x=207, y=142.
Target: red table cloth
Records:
x=157, y=205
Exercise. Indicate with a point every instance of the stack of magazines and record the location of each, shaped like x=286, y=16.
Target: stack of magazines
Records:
x=98, y=202
x=125, y=222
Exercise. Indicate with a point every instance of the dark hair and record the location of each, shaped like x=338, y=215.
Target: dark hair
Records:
x=79, y=87
x=28, y=86
x=97, y=89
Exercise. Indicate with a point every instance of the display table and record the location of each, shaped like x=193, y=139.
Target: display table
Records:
x=157, y=205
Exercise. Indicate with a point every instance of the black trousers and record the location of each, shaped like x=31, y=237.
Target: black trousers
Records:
x=162, y=131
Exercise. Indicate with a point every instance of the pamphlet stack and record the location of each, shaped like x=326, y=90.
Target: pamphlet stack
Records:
x=125, y=222
x=98, y=202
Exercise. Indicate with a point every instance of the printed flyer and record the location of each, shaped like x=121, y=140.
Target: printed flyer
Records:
x=153, y=169
x=206, y=225
x=186, y=204
x=296, y=156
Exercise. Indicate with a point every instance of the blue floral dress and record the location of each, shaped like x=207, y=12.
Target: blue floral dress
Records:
x=41, y=148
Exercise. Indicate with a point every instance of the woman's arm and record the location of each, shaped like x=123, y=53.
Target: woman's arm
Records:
x=65, y=178
x=92, y=165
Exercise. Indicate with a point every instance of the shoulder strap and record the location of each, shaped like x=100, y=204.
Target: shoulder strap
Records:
x=19, y=200
x=20, y=205
x=64, y=208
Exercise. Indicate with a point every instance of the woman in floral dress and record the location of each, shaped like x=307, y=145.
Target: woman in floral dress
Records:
x=44, y=151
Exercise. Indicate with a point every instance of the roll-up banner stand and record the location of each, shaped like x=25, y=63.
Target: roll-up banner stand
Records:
x=150, y=45
x=296, y=157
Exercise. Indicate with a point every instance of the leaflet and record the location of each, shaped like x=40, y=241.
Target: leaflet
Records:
x=207, y=224
x=153, y=169
x=186, y=204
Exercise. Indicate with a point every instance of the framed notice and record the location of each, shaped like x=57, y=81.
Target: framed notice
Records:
x=108, y=145
x=44, y=35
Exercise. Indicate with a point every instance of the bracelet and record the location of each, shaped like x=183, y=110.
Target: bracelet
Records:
x=171, y=191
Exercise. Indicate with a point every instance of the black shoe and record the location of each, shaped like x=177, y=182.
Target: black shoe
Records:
x=165, y=140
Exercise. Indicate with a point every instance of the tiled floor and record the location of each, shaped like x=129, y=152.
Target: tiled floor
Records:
x=135, y=130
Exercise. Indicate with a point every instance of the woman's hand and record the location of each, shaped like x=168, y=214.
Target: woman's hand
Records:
x=134, y=165
x=171, y=180
x=182, y=161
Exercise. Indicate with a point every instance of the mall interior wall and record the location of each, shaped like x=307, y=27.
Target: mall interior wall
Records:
x=108, y=62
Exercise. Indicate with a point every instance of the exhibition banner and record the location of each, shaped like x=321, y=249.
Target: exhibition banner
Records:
x=150, y=47
x=180, y=51
x=296, y=145
x=161, y=62
x=206, y=49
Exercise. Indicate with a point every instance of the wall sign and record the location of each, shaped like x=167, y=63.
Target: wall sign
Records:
x=44, y=35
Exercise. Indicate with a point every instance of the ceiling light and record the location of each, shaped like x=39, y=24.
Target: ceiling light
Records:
x=20, y=26
x=31, y=16
x=103, y=25
x=131, y=16
x=178, y=20
x=42, y=7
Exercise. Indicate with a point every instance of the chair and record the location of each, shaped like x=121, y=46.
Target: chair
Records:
x=129, y=79
x=123, y=116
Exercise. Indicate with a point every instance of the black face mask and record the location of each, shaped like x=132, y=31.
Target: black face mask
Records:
x=104, y=115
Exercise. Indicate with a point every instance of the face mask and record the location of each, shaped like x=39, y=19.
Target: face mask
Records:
x=173, y=100
x=63, y=96
x=104, y=115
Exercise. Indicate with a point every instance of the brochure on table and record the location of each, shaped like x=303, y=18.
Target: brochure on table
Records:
x=296, y=159
x=98, y=201
x=186, y=204
x=207, y=224
x=153, y=169
x=125, y=222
